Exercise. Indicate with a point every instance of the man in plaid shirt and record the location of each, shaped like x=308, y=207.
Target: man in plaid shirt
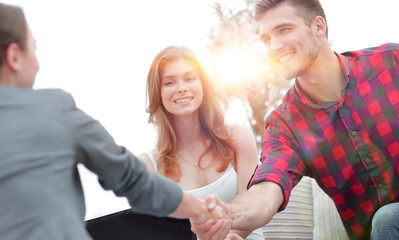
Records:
x=339, y=124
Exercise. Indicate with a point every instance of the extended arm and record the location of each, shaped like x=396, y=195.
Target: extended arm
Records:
x=256, y=207
x=119, y=170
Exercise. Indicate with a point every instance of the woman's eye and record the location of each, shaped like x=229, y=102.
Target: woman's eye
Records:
x=191, y=78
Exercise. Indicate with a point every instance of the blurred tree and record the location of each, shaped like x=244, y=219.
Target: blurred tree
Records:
x=249, y=77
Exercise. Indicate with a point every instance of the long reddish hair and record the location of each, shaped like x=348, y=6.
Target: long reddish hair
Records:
x=211, y=115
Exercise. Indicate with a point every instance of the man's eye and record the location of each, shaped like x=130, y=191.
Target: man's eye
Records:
x=284, y=30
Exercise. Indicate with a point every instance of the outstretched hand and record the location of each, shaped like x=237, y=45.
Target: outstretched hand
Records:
x=217, y=223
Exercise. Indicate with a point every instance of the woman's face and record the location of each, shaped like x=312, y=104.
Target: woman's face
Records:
x=181, y=88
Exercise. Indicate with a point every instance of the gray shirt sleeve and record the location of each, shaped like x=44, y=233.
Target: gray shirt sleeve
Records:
x=119, y=170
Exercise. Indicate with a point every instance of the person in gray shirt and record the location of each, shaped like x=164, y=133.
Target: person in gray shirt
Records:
x=43, y=136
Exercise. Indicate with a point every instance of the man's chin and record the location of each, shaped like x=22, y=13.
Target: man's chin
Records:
x=288, y=75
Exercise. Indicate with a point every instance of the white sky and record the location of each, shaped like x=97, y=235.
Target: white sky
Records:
x=100, y=52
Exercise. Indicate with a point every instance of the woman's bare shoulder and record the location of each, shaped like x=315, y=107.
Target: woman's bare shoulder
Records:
x=241, y=132
x=243, y=140
x=144, y=157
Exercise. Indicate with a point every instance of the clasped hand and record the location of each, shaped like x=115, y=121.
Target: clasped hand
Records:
x=215, y=223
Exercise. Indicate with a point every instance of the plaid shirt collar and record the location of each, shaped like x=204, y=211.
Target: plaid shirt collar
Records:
x=349, y=77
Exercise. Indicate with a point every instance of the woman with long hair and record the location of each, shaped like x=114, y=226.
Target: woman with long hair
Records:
x=195, y=147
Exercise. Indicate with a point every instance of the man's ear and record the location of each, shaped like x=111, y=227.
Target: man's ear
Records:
x=320, y=26
x=13, y=57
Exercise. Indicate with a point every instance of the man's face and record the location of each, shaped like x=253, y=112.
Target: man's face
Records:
x=290, y=43
x=29, y=63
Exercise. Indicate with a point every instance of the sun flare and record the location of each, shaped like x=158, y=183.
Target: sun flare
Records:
x=236, y=65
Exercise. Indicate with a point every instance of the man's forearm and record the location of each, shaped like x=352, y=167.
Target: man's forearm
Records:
x=254, y=208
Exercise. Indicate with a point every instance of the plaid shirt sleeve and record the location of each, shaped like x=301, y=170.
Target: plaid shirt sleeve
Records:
x=281, y=161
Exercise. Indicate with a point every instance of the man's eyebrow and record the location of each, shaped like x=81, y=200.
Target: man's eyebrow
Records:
x=281, y=25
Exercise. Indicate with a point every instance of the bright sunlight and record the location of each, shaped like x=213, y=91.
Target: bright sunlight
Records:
x=236, y=65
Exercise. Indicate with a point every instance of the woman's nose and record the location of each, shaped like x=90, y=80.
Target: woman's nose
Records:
x=182, y=88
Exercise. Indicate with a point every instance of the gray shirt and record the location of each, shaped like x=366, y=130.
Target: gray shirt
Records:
x=43, y=136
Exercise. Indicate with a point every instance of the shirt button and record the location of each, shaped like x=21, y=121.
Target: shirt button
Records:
x=367, y=160
x=380, y=186
x=354, y=133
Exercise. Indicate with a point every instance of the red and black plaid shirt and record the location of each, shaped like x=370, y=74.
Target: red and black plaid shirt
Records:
x=351, y=147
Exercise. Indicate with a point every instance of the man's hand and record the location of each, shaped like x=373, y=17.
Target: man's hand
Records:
x=218, y=224
x=233, y=236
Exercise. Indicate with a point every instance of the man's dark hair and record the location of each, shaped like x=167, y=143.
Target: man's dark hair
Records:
x=308, y=10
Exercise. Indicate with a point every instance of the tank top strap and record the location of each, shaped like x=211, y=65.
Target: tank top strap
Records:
x=154, y=162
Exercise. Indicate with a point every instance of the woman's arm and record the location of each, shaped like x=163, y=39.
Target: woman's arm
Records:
x=246, y=154
x=246, y=161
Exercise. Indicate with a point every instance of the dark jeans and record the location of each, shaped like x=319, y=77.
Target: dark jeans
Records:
x=129, y=225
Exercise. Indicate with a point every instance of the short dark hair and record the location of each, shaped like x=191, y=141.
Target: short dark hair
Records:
x=12, y=28
x=308, y=10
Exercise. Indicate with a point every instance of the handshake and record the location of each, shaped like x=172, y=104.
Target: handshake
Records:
x=209, y=219
x=214, y=221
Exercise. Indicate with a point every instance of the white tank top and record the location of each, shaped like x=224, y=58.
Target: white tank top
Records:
x=226, y=188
